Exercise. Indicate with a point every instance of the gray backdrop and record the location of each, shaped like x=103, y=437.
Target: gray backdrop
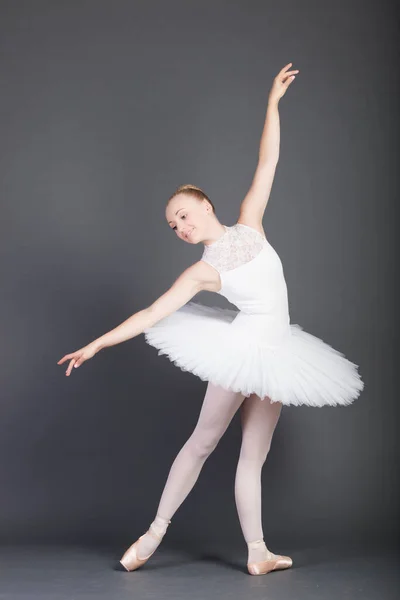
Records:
x=106, y=107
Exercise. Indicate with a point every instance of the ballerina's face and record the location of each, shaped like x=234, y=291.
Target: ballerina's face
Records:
x=187, y=216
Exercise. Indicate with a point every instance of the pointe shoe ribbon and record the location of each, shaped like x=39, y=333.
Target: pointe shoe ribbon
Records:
x=130, y=559
x=274, y=563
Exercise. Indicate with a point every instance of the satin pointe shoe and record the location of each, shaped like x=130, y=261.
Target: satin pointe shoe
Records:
x=275, y=563
x=130, y=560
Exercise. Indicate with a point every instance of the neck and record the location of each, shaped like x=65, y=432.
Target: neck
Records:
x=216, y=233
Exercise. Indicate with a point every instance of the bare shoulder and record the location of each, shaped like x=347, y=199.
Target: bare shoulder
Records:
x=206, y=275
x=253, y=222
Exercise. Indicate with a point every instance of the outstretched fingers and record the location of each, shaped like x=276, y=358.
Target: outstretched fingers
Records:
x=74, y=359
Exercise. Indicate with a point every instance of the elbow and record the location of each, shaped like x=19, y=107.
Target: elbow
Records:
x=149, y=317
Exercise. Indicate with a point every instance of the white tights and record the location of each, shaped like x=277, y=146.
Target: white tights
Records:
x=258, y=419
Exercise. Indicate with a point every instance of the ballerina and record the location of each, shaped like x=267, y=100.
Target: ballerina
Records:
x=251, y=357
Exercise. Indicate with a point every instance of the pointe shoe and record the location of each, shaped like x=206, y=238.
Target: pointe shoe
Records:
x=275, y=563
x=130, y=559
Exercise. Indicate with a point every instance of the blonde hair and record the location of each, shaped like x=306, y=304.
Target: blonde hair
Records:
x=193, y=190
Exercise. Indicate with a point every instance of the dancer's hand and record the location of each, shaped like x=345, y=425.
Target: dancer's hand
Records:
x=79, y=356
x=281, y=83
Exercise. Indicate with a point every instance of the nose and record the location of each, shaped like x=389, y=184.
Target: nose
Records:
x=183, y=231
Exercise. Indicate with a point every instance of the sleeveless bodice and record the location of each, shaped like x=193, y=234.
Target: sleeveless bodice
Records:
x=251, y=272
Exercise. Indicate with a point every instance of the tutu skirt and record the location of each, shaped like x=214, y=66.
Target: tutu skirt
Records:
x=230, y=349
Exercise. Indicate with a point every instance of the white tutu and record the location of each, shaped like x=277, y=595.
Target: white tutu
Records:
x=254, y=349
x=296, y=369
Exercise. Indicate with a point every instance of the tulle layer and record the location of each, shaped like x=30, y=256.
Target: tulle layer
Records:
x=302, y=370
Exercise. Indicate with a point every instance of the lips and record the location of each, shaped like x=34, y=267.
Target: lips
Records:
x=189, y=233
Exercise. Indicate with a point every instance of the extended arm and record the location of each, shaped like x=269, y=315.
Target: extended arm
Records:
x=199, y=276
x=254, y=204
x=187, y=285
x=256, y=199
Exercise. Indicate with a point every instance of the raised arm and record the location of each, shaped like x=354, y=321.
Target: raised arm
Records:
x=197, y=277
x=254, y=204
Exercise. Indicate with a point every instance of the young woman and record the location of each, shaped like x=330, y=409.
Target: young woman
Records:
x=252, y=358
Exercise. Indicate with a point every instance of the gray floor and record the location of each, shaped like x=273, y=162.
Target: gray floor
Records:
x=76, y=572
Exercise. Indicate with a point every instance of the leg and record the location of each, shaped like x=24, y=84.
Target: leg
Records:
x=259, y=419
x=219, y=407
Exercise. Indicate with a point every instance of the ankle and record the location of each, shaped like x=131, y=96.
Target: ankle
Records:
x=160, y=524
x=258, y=551
x=256, y=545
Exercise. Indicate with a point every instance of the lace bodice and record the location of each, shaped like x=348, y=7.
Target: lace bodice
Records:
x=251, y=272
x=237, y=246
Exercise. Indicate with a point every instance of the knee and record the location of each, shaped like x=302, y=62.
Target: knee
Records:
x=202, y=445
x=254, y=454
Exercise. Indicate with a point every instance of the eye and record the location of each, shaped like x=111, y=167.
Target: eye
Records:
x=182, y=217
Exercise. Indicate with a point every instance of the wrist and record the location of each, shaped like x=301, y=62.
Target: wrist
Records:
x=273, y=101
x=99, y=344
